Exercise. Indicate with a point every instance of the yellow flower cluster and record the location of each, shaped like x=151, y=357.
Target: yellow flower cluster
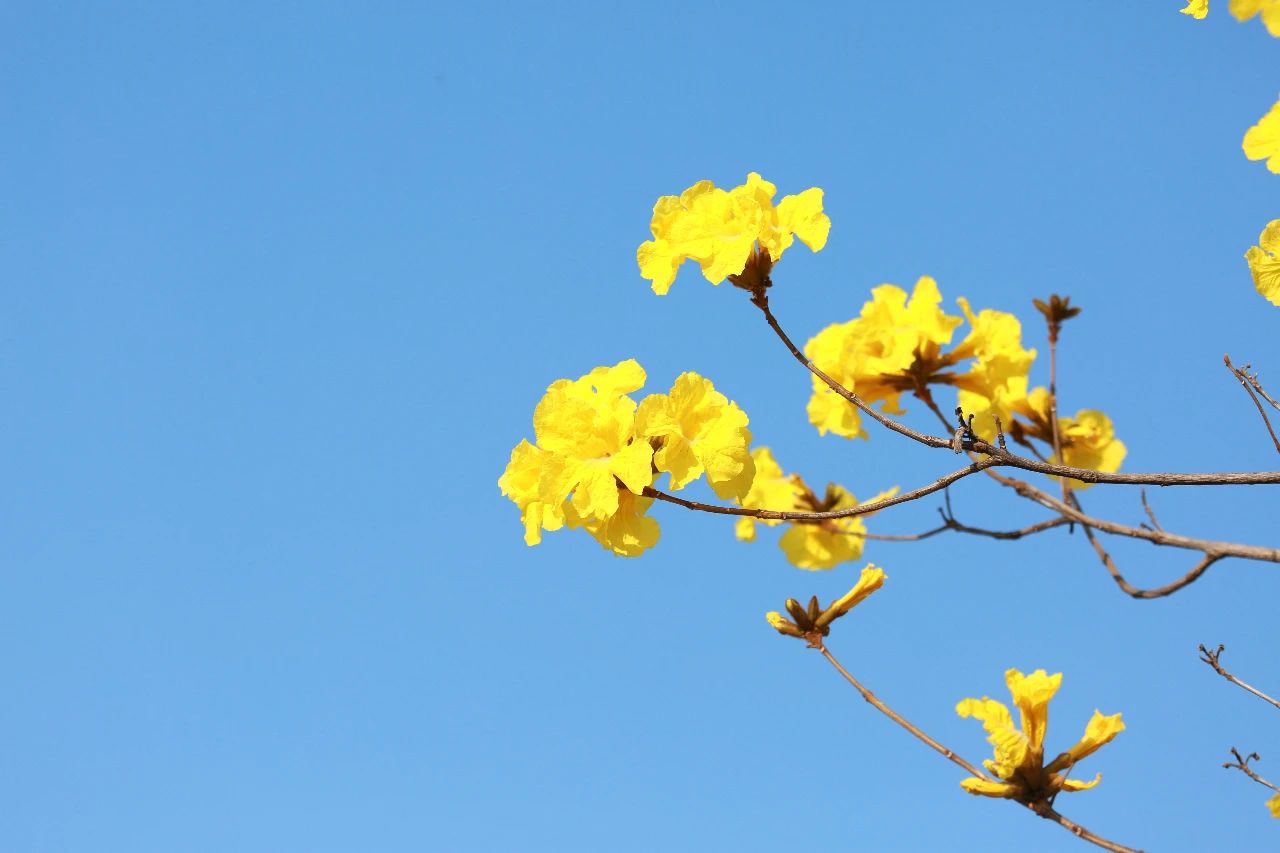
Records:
x=596, y=451
x=1242, y=10
x=1264, y=262
x=721, y=229
x=1019, y=763
x=808, y=545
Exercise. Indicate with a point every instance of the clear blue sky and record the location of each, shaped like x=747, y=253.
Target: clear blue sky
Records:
x=283, y=282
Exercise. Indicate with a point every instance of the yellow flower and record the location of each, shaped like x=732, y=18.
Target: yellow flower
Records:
x=1262, y=141
x=721, y=228
x=1264, y=262
x=1018, y=763
x=1196, y=9
x=587, y=467
x=817, y=620
x=807, y=544
x=1274, y=805
x=1243, y=10
x=896, y=346
x=1088, y=438
x=697, y=430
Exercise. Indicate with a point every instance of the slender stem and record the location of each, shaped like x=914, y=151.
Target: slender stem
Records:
x=1211, y=658
x=1242, y=764
x=1252, y=387
x=915, y=730
x=1053, y=403
x=1043, y=809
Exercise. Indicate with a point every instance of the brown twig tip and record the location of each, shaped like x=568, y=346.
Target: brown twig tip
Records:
x=1056, y=311
x=1242, y=764
x=1213, y=659
x=1253, y=387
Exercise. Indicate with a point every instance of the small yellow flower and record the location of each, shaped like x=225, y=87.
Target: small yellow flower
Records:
x=1262, y=141
x=720, y=229
x=1243, y=10
x=697, y=430
x=808, y=544
x=816, y=619
x=1264, y=262
x=1196, y=9
x=1088, y=438
x=1274, y=805
x=1018, y=763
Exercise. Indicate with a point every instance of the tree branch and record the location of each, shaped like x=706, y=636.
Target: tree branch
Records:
x=1212, y=659
x=1253, y=388
x=1242, y=764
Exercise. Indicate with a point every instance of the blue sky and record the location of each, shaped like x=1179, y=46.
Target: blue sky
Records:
x=283, y=283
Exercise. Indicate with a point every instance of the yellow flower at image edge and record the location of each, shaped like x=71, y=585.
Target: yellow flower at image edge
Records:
x=1262, y=141
x=1274, y=805
x=720, y=229
x=1243, y=10
x=1264, y=262
x=1197, y=9
x=1018, y=764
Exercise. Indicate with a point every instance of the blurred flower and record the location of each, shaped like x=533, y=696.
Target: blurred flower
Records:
x=1243, y=10
x=1197, y=9
x=1018, y=763
x=807, y=544
x=1088, y=439
x=722, y=229
x=1264, y=262
x=1274, y=805
x=1262, y=141
x=816, y=619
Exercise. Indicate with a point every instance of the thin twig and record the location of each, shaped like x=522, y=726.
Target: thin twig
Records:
x=1253, y=387
x=1041, y=808
x=1151, y=514
x=1242, y=764
x=1212, y=658
x=1053, y=399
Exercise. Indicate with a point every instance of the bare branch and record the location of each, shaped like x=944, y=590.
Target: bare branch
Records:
x=1155, y=522
x=1242, y=764
x=1212, y=659
x=1253, y=388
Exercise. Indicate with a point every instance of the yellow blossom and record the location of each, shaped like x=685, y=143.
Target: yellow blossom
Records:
x=1196, y=9
x=815, y=621
x=587, y=467
x=721, y=228
x=1262, y=141
x=1243, y=10
x=1274, y=805
x=697, y=430
x=1018, y=764
x=896, y=346
x=1264, y=262
x=807, y=544
x=1088, y=438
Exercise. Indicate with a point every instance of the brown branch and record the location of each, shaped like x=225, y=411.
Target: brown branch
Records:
x=1054, y=326
x=1242, y=764
x=849, y=512
x=1212, y=659
x=1151, y=514
x=1043, y=809
x=1253, y=388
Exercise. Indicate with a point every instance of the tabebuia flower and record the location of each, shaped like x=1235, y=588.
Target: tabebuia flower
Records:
x=1019, y=766
x=1264, y=262
x=1273, y=805
x=897, y=345
x=816, y=619
x=1088, y=439
x=807, y=544
x=724, y=229
x=595, y=451
x=1262, y=141
x=1196, y=9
